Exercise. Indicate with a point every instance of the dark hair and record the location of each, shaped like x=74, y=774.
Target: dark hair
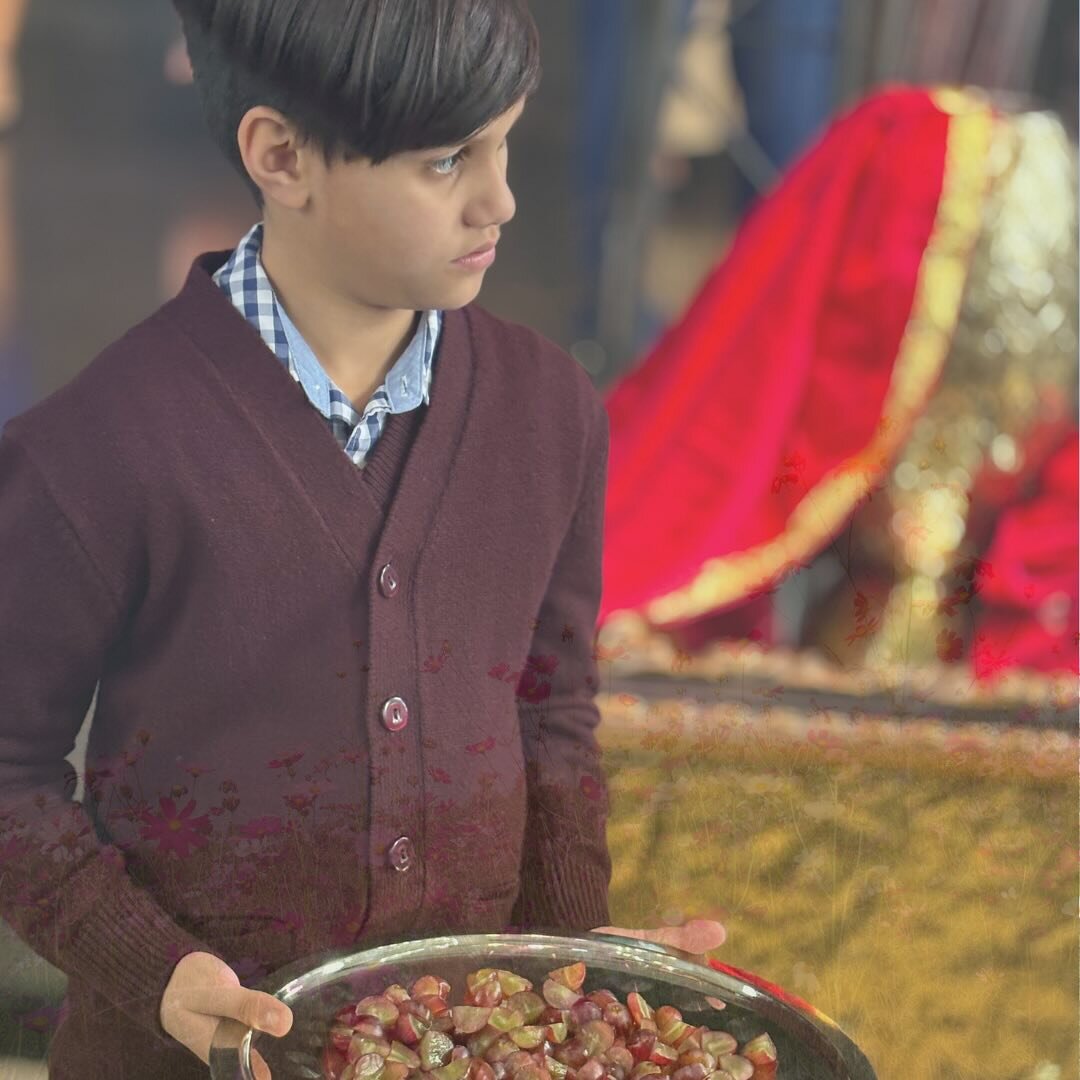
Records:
x=361, y=78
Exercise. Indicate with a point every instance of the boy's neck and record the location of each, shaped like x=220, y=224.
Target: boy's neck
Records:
x=356, y=345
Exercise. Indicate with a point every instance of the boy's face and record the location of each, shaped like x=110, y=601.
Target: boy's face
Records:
x=392, y=236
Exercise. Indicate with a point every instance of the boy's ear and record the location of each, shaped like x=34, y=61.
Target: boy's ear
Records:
x=274, y=157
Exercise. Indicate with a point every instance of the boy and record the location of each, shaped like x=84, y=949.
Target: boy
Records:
x=328, y=537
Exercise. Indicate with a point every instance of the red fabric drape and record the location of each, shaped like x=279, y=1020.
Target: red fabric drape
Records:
x=1030, y=589
x=778, y=371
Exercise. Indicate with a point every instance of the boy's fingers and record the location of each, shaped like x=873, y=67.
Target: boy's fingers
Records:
x=199, y=1037
x=196, y=1032
x=252, y=1008
x=697, y=936
x=259, y=1066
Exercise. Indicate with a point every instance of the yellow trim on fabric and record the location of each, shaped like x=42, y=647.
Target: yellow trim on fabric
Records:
x=923, y=350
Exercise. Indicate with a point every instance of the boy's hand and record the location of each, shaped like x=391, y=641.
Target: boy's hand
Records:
x=204, y=989
x=695, y=937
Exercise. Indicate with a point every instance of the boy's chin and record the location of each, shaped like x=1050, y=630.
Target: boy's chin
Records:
x=460, y=295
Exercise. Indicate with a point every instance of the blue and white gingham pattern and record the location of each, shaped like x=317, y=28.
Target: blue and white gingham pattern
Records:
x=407, y=385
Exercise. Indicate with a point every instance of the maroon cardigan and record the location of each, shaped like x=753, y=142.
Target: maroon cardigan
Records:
x=179, y=524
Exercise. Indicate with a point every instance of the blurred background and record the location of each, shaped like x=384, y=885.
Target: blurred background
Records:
x=819, y=256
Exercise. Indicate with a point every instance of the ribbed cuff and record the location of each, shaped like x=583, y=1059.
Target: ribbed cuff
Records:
x=127, y=948
x=564, y=894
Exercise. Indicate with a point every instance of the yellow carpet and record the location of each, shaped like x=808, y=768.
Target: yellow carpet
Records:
x=920, y=891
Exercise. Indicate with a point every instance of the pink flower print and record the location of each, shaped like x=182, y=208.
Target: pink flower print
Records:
x=13, y=849
x=603, y=654
x=93, y=777
x=131, y=758
x=975, y=568
x=531, y=688
x=299, y=801
x=482, y=747
x=27, y=901
x=543, y=665
x=68, y=838
x=319, y=787
x=590, y=788
x=434, y=664
x=439, y=775
x=196, y=770
x=499, y=671
x=176, y=832
x=989, y=661
x=110, y=767
x=228, y=787
x=782, y=480
x=286, y=761
x=258, y=828
x=102, y=770
x=142, y=736
x=950, y=646
x=352, y=756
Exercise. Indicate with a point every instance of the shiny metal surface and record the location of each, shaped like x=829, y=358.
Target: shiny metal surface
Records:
x=809, y=1046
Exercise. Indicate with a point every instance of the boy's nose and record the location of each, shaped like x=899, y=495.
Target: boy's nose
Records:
x=494, y=203
x=504, y=205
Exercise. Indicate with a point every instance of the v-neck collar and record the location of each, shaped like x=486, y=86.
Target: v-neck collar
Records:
x=413, y=448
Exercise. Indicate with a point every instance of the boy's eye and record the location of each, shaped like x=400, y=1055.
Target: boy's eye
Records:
x=447, y=166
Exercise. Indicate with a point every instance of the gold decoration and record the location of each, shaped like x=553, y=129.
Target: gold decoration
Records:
x=632, y=648
x=1011, y=374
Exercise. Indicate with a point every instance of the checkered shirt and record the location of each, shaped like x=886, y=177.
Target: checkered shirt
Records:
x=407, y=385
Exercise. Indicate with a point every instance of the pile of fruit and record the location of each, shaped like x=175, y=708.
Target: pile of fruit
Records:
x=504, y=1030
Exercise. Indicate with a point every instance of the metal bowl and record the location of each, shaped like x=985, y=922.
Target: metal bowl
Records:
x=809, y=1046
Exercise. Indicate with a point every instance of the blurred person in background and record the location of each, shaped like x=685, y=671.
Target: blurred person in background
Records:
x=12, y=14
x=869, y=407
x=785, y=54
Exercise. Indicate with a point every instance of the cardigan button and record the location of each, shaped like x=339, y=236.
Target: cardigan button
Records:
x=395, y=714
x=402, y=854
x=388, y=581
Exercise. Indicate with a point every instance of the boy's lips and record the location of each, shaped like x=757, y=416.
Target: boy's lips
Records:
x=480, y=259
x=478, y=252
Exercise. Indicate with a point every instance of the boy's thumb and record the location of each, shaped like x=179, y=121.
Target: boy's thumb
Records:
x=270, y=1015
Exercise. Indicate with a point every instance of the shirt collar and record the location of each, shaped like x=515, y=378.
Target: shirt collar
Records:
x=245, y=280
